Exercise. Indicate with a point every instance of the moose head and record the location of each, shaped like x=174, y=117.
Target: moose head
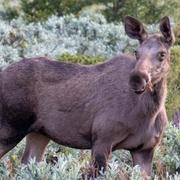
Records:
x=152, y=56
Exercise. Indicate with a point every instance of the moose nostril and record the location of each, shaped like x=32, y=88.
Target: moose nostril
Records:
x=135, y=79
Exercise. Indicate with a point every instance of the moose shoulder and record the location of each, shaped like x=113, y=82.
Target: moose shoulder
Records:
x=115, y=105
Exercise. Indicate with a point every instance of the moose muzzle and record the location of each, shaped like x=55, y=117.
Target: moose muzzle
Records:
x=139, y=81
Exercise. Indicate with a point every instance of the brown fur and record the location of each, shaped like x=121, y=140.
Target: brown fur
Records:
x=103, y=107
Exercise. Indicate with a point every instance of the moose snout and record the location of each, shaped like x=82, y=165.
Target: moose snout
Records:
x=138, y=81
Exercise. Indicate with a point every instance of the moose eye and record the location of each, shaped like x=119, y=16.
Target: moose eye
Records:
x=161, y=56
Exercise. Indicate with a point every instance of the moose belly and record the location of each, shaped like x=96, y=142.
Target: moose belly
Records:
x=77, y=141
x=66, y=128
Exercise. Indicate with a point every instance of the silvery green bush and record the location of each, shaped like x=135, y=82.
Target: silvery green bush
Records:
x=168, y=154
x=87, y=34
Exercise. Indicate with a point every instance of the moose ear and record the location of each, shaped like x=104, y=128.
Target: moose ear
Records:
x=134, y=29
x=166, y=30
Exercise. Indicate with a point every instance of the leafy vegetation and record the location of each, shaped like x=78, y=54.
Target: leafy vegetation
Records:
x=173, y=100
x=40, y=10
x=88, y=34
x=167, y=156
x=114, y=10
x=177, y=33
x=148, y=11
x=81, y=59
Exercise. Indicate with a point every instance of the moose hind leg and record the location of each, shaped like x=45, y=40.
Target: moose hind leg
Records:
x=35, y=146
x=9, y=138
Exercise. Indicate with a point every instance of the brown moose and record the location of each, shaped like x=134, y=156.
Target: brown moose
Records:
x=119, y=104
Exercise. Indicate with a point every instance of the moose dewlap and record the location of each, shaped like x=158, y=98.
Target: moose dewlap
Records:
x=115, y=105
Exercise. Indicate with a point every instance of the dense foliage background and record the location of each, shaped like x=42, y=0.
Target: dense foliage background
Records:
x=114, y=10
x=87, y=32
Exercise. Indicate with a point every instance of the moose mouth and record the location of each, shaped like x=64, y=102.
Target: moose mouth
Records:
x=148, y=87
x=139, y=91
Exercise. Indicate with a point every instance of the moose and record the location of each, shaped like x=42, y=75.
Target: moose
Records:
x=118, y=104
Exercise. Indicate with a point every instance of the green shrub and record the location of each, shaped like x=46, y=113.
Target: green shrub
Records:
x=173, y=99
x=40, y=10
x=177, y=34
x=11, y=13
x=9, y=9
x=167, y=155
x=114, y=10
x=36, y=10
x=81, y=59
x=148, y=11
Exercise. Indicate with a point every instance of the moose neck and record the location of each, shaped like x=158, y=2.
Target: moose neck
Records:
x=153, y=101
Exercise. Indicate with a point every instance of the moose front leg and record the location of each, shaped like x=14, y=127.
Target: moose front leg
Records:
x=100, y=155
x=143, y=159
